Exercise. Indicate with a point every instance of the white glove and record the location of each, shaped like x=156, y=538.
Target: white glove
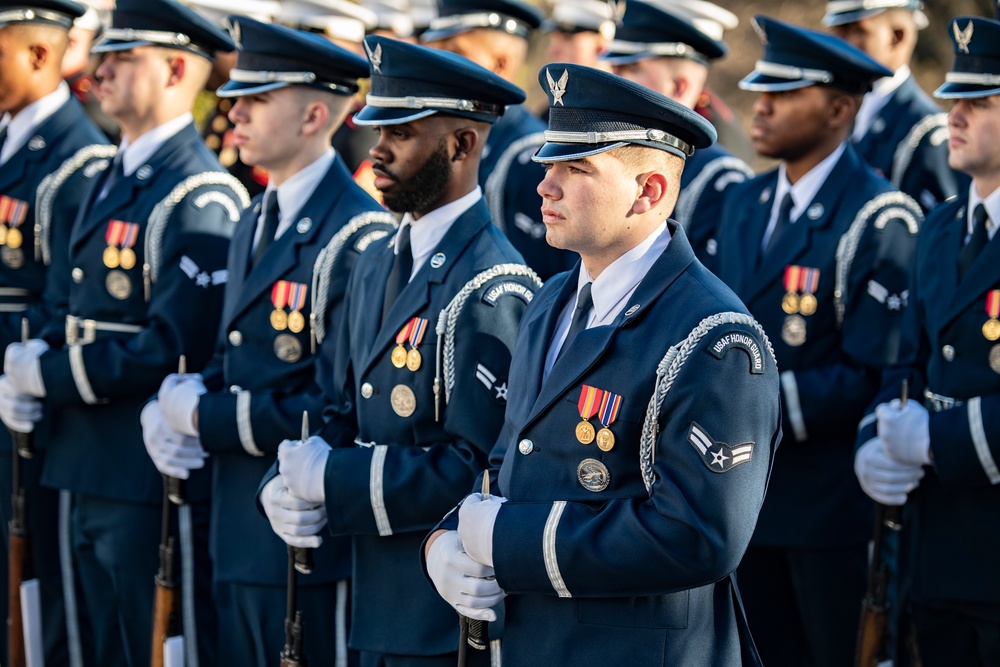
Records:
x=469, y=587
x=475, y=526
x=20, y=362
x=295, y=521
x=904, y=431
x=18, y=411
x=884, y=480
x=174, y=454
x=179, y=396
x=303, y=467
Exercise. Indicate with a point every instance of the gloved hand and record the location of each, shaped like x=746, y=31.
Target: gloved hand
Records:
x=469, y=587
x=174, y=454
x=179, y=396
x=475, y=526
x=303, y=467
x=884, y=480
x=20, y=363
x=295, y=521
x=904, y=431
x=18, y=411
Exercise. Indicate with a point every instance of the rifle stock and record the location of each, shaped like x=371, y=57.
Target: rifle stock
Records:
x=15, y=621
x=870, y=646
x=166, y=603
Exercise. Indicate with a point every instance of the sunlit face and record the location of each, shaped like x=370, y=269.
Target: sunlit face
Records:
x=268, y=127
x=411, y=164
x=653, y=73
x=974, y=142
x=133, y=82
x=586, y=203
x=15, y=71
x=789, y=124
x=874, y=35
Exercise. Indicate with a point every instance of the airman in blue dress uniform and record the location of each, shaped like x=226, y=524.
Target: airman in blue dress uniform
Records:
x=43, y=127
x=418, y=378
x=147, y=252
x=819, y=249
x=899, y=130
x=287, y=274
x=643, y=415
x=942, y=446
x=495, y=34
x=669, y=54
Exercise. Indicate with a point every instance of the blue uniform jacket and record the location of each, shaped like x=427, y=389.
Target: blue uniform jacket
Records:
x=636, y=573
x=186, y=209
x=949, y=516
x=405, y=472
x=28, y=279
x=261, y=379
x=510, y=183
x=706, y=177
x=830, y=360
x=907, y=143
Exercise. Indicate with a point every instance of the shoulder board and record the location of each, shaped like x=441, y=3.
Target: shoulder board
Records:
x=381, y=224
x=670, y=366
x=496, y=183
x=932, y=125
x=881, y=210
x=93, y=159
x=688, y=200
x=165, y=207
x=448, y=319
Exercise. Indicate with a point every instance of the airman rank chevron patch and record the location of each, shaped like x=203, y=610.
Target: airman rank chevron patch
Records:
x=718, y=456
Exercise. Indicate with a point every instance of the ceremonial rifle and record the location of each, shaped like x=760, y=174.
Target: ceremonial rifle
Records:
x=472, y=631
x=299, y=560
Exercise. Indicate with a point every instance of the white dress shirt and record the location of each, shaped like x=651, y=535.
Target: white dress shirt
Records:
x=21, y=126
x=427, y=232
x=134, y=154
x=992, y=203
x=294, y=192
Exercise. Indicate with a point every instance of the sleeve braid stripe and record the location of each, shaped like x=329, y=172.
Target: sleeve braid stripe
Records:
x=244, y=427
x=908, y=147
x=448, y=319
x=48, y=189
x=376, y=492
x=690, y=196
x=79, y=371
x=323, y=266
x=666, y=374
x=889, y=206
x=979, y=442
x=496, y=183
x=549, y=549
x=794, y=404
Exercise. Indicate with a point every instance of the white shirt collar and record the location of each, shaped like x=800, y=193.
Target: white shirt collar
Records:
x=427, y=232
x=992, y=203
x=20, y=127
x=295, y=192
x=134, y=154
x=803, y=192
x=611, y=290
x=874, y=101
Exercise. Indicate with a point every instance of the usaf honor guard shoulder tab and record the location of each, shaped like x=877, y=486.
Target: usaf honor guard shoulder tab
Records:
x=164, y=23
x=742, y=340
x=718, y=456
x=976, y=70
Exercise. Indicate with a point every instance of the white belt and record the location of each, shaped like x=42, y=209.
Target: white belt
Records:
x=361, y=443
x=83, y=331
x=939, y=403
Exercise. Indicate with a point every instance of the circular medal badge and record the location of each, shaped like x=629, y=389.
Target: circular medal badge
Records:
x=14, y=237
x=585, y=433
x=413, y=359
x=605, y=439
x=991, y=329
x=279, y=319
x=296, y=322
x=111, y=257
x=790, y=303
x=593, y=475
x=398, y=357
x=118, y=285
x=126, y=258
x=807, y=304
x=793, y=331
x=13, y=258
x=995, y=358
x=403, y=400
x=287, y=348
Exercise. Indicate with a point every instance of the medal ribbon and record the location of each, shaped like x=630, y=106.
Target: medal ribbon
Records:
x=130, y=234
x=792, y=277
x=113, y=234
x=418, y=331
x=809, y=280
x=404, y=333
x=590, y=399
x=12, y=211
x=993, y=303
x=297, y=298
x=610, y=405
x=279, y=294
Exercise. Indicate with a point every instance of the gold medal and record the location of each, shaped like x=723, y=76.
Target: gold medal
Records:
x=118, y=285
x=593, y=475
x=413, y=359
x=605, y=439
x=995, y=358
x=807, y=304
x=403, y=400
x=279, y=320
x=991, y=329
x=111, y=257
x=126, y=258
x=3, y=234
x=14, y=237
x=585, y=432
x=296, y=322
x=793, y=331
x=398, y=357
x=790, y=303
x=287, y=348
x=12, y=257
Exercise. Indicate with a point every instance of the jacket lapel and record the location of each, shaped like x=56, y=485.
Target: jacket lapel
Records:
x=981, y=276
x=36, y=148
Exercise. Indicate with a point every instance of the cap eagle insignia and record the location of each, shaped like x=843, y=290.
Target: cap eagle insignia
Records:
x=557, y=88
x=375, y=57
x=963, y=37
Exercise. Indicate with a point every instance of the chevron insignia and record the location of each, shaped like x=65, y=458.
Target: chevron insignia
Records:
x=718, y=456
